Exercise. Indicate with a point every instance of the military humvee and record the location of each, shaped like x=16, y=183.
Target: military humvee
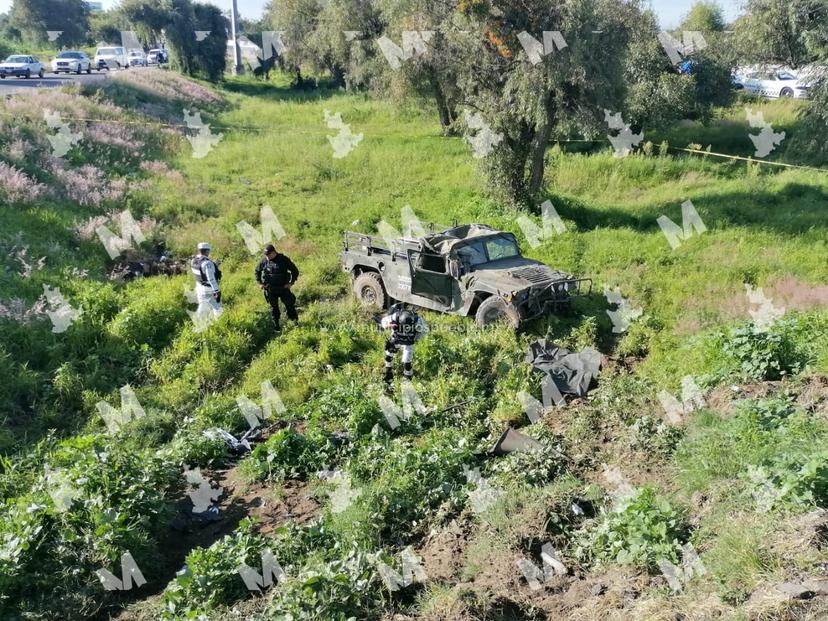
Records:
x=470, y=269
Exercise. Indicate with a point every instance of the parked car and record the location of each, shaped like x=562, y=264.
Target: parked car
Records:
x=21, y=65
x=137, y=58
x=470, y=269
x=72, y=62
x=775, y=83
x=156, y=56
x=111, y=58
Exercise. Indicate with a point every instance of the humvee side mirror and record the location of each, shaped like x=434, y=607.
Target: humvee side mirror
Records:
x=454, y=268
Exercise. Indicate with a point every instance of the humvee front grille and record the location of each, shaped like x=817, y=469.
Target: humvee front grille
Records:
x=533, y=274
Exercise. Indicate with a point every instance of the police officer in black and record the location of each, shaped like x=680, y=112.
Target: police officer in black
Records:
x=276, y=274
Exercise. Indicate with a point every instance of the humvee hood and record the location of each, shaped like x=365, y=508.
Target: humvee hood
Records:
x=518, y=272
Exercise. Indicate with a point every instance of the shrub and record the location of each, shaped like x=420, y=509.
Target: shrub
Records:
x=337, y=590
x=286, y=454
x=94, y=491
x=641, y=530
x=210, y=577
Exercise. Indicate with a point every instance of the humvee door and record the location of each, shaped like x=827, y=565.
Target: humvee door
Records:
x=430, y=279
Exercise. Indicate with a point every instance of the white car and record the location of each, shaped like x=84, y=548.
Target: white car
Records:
x=156, y=56
x=137, y=58
x=21, y=65
x=111, y=58
x=72, y=62
x=774, y=83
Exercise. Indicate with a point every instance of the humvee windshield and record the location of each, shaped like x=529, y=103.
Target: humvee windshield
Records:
x=488, y=249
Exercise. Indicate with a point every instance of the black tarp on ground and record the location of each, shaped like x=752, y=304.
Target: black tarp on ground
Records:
x=571, y=372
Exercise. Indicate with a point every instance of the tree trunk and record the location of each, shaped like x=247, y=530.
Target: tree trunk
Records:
x=538, y=151
x=443, y=109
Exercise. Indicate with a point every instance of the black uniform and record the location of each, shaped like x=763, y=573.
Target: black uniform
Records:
x=274, y=275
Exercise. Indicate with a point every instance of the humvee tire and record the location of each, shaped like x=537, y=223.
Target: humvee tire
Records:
x=368, y=289
x=493, y=310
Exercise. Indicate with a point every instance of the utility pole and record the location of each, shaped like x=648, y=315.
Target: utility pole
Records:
x=234, y=17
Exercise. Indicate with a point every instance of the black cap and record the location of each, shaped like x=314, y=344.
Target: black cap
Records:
x=269, y=248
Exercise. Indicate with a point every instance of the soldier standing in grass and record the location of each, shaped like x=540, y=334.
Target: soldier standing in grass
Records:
x=276, y=274
x=207, y=276
x=407, y=327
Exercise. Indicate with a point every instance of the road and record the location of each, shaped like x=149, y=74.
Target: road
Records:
x=49, y=80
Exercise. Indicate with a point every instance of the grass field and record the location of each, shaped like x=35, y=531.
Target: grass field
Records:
x=743, y=479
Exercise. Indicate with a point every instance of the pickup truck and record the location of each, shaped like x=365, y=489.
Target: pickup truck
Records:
x=471, y=269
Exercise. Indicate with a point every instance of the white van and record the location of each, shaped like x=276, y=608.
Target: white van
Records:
x=111, y=58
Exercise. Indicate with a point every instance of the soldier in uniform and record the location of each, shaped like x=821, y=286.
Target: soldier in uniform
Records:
x=276, y=274
x=407, y=327
x=207, y=276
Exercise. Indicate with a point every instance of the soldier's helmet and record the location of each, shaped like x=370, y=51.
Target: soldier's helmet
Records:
x=406, y=322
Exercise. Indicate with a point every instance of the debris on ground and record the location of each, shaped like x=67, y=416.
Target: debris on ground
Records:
x=571, y=372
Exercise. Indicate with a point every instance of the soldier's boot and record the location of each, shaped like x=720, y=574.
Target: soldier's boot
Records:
x=408, y=371
x=389, y=367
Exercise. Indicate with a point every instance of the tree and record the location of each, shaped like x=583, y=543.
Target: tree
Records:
x=704, y=16
x=106, y=26
x=34, y=18
x=179, y=20
x=210, y=54
x=789, y=32
x=528, y=99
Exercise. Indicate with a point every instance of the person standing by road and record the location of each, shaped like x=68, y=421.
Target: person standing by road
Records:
x=276, y=274
x=207, y=276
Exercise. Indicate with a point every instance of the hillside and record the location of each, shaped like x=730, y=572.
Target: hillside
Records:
x=618, y=486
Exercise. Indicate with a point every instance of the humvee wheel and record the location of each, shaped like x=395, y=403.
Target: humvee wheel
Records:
x=495, y=310
x=368, y=289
